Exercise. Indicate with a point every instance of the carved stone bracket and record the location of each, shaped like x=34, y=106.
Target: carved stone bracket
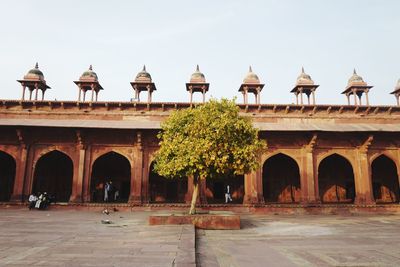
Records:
x=366, y=144
x=20, y=137
x=79, y=140
x=312, y=143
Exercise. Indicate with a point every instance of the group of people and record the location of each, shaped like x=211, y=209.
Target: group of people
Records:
x=39, y=201
x=111, y=193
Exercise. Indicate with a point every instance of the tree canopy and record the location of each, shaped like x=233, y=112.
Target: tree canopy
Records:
x=210, y=140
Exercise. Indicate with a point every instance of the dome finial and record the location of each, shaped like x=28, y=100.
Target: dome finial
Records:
x=90, y=67
x=36, y=66
x=144, y=68
x=354, y=71
x=250, y=69
x=197, y=67
x=302, y=70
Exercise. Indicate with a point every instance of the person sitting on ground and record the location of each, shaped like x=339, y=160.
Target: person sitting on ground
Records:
x=32, y=200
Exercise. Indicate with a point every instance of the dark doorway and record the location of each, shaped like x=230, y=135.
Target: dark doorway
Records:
x=115, y=168
x=7, y=176
x=53, y=174
x=281, y=179
x=336, y=180
x=163, y=190
x=385, y=180
x=216, y=189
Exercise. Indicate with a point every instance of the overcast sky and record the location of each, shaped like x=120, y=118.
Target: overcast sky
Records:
x=277, y=38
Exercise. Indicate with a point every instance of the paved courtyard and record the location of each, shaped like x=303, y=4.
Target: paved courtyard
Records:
x=79, y=238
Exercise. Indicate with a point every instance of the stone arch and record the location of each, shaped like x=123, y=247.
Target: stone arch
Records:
x=53, y=173
x=48, y=150
x=385, y=180
x=336, y=179
x=107, y=150
x=265, y=157
x=281, y=179
x=388, y=154
x=7, y=175
x=114, y=167
x=164, y=190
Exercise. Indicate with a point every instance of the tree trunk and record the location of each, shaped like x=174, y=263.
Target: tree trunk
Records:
x=194, y=195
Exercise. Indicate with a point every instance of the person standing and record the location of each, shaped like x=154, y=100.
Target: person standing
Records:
x=228, y=197
x=106, y=191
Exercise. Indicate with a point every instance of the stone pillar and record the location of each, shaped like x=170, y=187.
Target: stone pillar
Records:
x=21, y=161
x=43, y=92
x=204, y=94
x=363, y=179
x=366, y=97
x=92, y=86
x=191, y=94
x=253, y=188
x=77, y=181
x=29, y=173
x=308, y=177
x=87, y=174
x=137, y=171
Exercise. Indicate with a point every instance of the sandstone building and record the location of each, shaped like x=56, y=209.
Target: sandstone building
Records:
x=315, y=153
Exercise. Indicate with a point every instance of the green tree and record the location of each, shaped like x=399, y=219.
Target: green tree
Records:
x=211, y=140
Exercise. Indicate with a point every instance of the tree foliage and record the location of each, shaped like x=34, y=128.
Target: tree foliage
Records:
x=211, y=140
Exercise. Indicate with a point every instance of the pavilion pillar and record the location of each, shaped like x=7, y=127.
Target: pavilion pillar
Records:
x=348, y=99
x=204, y=94
x=366, y=97
x=297, y=98
x=191, y=95
x=363, y=178
x=79, y=93
x=84, y=95
x=36, y=90
x=301, y=96
x=20, y=173
x=97, y=94
x=244, y=97
x=92, y=93
x=43, y=92
x=313, y=96
x=30, y=93
x=148, y=94
x=78, y=176
x=397, y=99
x=355, y=98
x=23, y=92
x=137, y=171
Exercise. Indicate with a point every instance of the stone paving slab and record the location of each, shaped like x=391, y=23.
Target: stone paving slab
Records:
x=78, y=238
x=328, y=240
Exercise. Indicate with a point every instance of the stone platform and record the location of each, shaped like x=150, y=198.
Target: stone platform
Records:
x=208, y=221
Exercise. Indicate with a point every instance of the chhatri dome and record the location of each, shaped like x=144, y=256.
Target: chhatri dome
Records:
x=398, y=85
x=89, y=75
x=355, y=79
x=251, y=77
x=35, y=74
x=143, y=76
x=197, y=76
x=304, y=79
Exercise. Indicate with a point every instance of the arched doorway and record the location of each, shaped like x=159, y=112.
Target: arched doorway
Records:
x=53, y=174
x=216, y=188
x=281, y=179
x=163, y=190
x=7, y=176
x=115, y=168
x=385, y=180
x=336, y=180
